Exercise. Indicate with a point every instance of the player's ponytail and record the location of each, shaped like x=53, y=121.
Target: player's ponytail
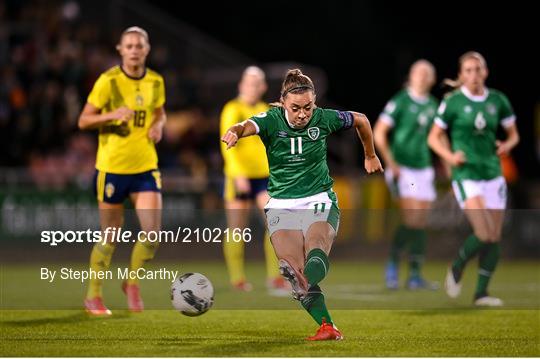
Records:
x=455, y=83
x=295, y=82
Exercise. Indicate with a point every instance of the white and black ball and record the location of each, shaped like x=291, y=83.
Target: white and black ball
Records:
x=192, y=294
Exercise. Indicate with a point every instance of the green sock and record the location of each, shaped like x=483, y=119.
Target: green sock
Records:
x=316, y=267
x=315, y=305
x=417, y=250
x=401, y=237
x=467, y=251
x=489, y=257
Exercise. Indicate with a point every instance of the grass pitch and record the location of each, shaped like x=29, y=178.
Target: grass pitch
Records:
x=39, y=319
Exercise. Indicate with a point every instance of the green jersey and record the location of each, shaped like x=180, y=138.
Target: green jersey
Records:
x=472, y=122
x=297, y=157
x=411, y=119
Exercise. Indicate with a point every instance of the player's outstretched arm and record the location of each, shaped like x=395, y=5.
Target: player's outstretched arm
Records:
x=512, y=139
x=234, y=133
x=155, y=132
x=380, y=135
x=91, y=117
x=363, y=129
x=438, y=141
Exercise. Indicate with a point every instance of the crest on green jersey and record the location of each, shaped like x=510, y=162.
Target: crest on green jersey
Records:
x=491, y=109
x=313, y=133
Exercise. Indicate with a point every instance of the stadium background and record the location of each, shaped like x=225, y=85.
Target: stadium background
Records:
x=358, y=54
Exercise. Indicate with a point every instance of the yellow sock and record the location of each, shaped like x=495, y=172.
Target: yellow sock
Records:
x=143, y=251
x=100, y=260
x=234, y=259
x=272, y=267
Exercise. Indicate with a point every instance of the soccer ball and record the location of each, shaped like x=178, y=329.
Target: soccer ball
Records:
x=192, y=294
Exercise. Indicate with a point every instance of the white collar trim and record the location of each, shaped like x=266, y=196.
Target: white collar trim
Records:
x=289, y=122
x=475, y=98
x=418, y=99
x=287, y=117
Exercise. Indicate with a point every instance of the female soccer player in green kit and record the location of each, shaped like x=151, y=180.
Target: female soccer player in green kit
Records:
x=302, y=213
x=406, y=120
x=471, y=115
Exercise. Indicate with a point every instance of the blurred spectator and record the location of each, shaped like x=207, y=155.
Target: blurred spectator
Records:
x=49, y=59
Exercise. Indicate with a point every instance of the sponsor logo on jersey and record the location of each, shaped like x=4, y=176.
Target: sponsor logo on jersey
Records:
x=109, y=190
x=480, y=121
x=282, y=134
x=413, y=108
x=422, y=119
x=491, y=109
x=313, y=133
x=467, y=109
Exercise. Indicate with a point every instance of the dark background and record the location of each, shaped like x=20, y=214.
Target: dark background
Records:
x=367, y=47
x=51, y=55
x=358, y=53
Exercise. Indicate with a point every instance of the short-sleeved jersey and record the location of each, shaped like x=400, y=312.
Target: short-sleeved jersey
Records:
x=472, y=122
x=297, y=157
x=248, y=157
x=126, y=148
x=410, y=119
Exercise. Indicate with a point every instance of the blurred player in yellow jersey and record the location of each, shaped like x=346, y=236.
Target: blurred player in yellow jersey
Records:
x=126, y=106
x=246, y=179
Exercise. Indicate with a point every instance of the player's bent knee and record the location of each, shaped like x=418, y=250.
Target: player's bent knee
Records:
x=495, y=237
x=483, y=235
x=415, y=221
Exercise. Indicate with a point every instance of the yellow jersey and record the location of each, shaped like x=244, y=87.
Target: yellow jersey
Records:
x=248, y=157
x=126, y=148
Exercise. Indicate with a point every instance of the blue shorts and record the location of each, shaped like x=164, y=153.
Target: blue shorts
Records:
x=115, y=188
x=257, y=186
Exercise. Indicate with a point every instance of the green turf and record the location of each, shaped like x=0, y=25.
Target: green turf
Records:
x=375, y=322
x=271, y=333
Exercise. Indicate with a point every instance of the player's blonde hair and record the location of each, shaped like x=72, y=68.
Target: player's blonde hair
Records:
x=455, y=83
x=254, y=71
x=134, y=30
x=295, y=82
